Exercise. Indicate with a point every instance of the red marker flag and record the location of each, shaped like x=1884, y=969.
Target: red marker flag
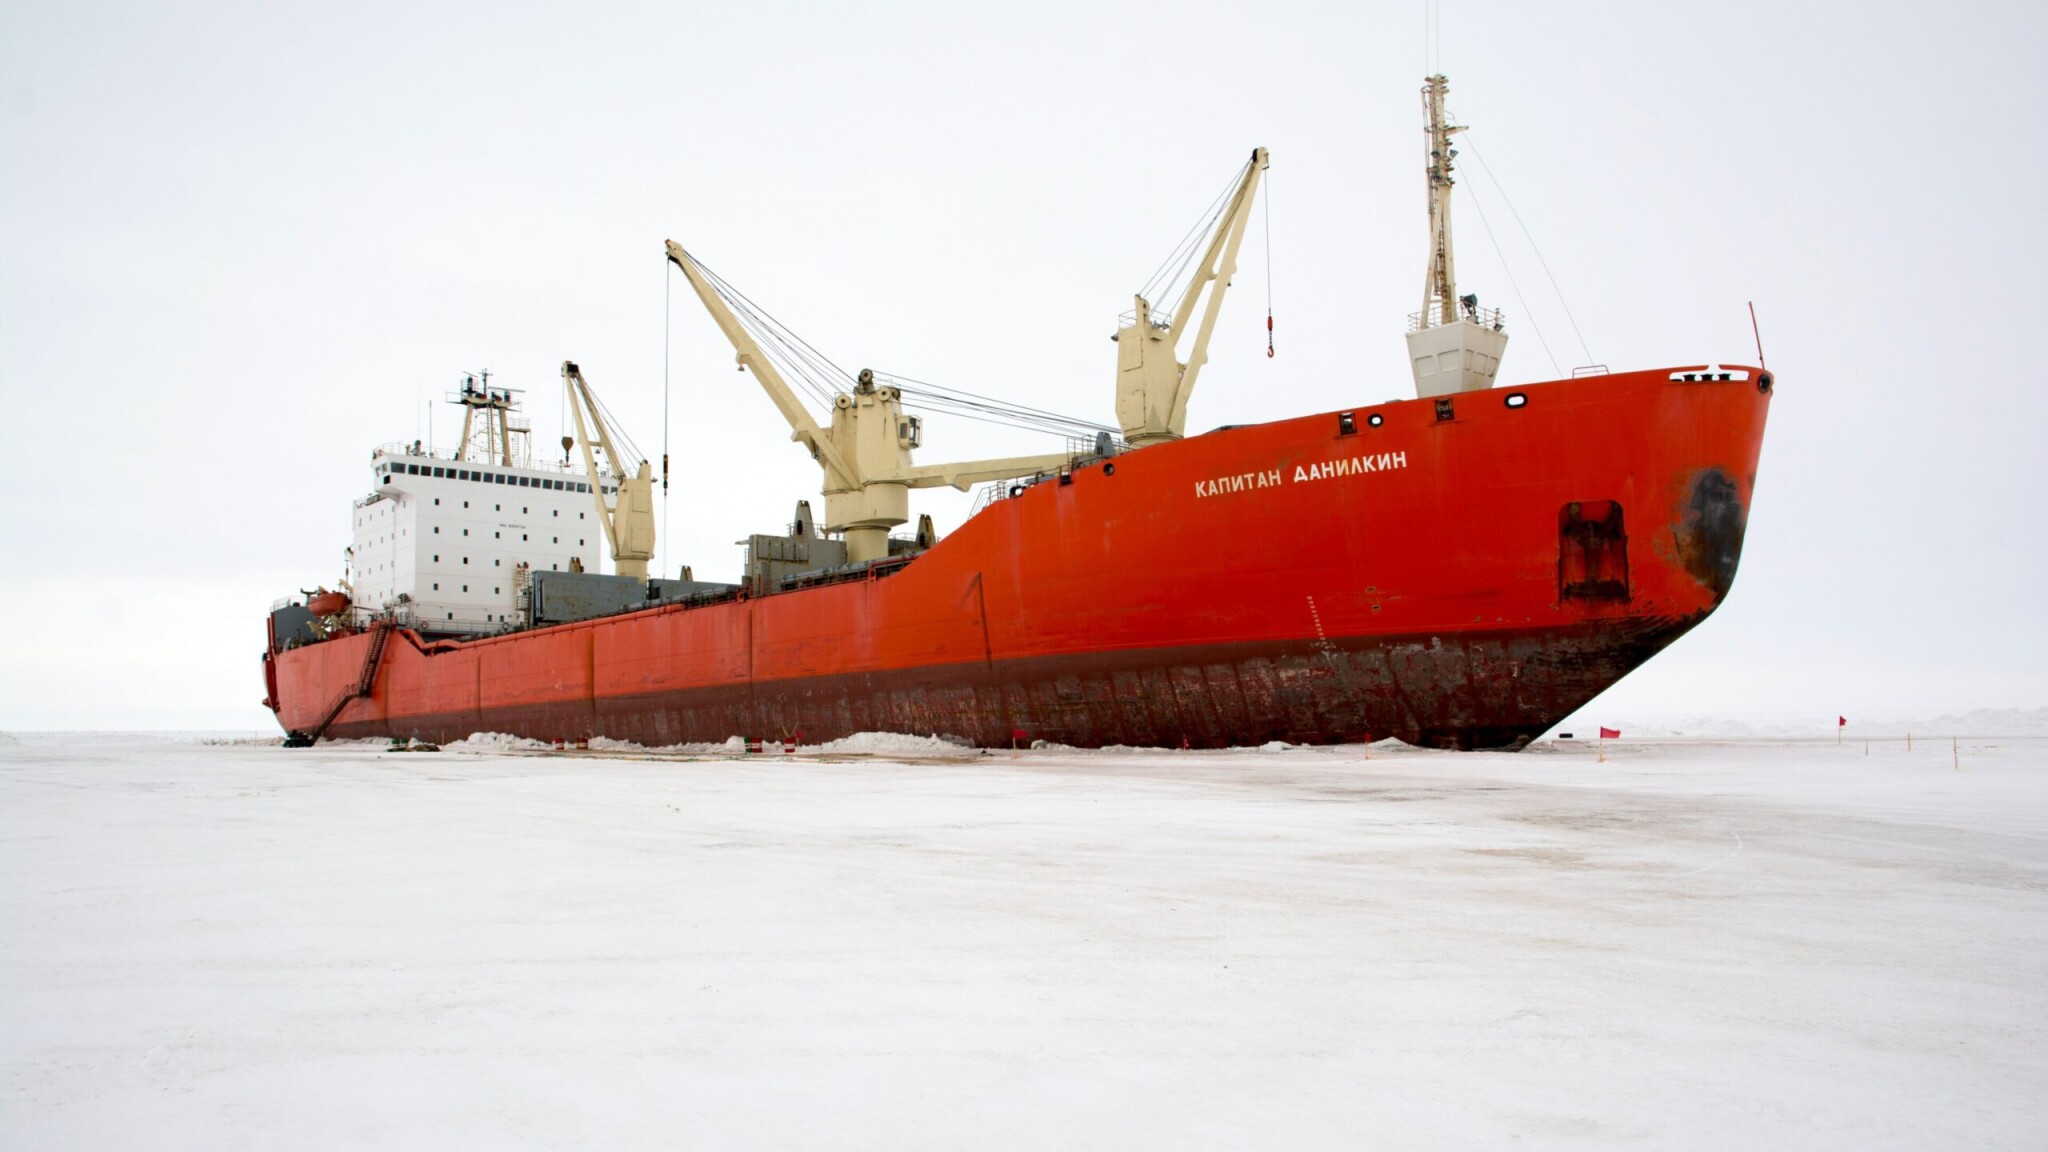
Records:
x=1841, y=721
x=1610, y=733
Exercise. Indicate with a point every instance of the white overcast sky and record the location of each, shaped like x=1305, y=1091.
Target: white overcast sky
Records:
x=241, y=245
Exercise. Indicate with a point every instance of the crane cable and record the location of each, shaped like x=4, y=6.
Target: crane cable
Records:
x=668, y=280
x=816, y=373
x=1167, y=285
x=1268, y=205
x=823, y=379
x=919, y=394
x=1545, y=264
x=1512, y=283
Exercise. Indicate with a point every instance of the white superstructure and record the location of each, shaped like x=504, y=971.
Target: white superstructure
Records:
x=447, y=541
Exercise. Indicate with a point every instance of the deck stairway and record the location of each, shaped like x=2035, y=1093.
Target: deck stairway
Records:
x=380, y=635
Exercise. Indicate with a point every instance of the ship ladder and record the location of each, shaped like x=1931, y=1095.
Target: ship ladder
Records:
x=380, y=634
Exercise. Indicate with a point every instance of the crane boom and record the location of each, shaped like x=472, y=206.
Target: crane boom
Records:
x=866, y=452
x=803, y=429
x=967, y=473
x=629, y=520
x=1153, y=383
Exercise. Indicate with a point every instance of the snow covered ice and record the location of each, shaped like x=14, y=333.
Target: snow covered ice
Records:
x=1691, y=945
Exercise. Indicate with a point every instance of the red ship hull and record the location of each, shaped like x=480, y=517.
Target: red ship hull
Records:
x=1464, y=578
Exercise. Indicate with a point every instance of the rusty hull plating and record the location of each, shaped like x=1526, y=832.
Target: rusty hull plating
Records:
x=1458, y=571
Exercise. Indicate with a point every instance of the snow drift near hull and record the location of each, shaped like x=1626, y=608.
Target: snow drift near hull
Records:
x=1460, y=571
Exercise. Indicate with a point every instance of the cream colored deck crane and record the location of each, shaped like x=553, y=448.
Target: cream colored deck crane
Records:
x=866, y=453
x=629, y=519
x=1152, y=382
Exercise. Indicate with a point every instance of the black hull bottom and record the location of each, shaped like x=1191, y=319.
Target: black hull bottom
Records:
x=1479, y=690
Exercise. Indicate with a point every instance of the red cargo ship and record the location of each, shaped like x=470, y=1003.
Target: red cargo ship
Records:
x=1463, y=569
x=1463, y=578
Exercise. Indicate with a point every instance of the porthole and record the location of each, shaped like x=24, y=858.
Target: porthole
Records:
x=1375, y=420
x=1517, y=400
x=1109, y=469
x=1763, y=381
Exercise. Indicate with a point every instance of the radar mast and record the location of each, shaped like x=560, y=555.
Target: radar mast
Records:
x=1454, y=345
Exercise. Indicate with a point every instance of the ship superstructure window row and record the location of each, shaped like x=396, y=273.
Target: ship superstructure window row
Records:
x=478, y=476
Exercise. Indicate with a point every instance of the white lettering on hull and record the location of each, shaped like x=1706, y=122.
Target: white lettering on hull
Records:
x=1242, y=482
x=1303, y=473
x=1350, y=466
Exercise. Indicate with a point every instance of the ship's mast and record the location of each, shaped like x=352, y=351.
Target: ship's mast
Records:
x=1454, y=345
x=495, y=429
x=1440, y=285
